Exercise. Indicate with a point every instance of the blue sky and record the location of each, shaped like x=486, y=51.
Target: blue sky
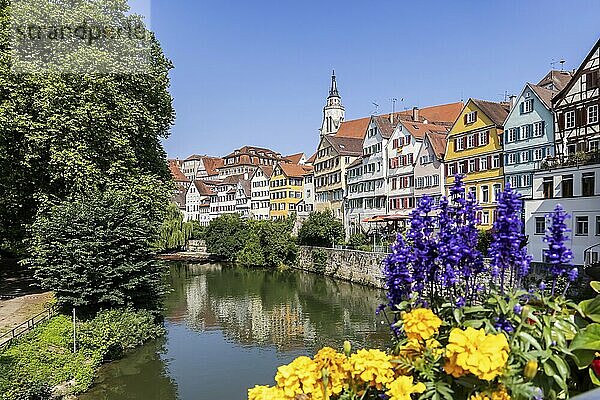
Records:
x=257, y=72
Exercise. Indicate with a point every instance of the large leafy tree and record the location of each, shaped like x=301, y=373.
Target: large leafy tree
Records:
x=63, y=134
x=322, y=229
x=94, y=252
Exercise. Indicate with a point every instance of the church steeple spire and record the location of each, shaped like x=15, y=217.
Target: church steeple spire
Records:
x=334, y=112
x=333, y=91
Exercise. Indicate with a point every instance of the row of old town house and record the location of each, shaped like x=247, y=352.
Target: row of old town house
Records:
x=370, y=172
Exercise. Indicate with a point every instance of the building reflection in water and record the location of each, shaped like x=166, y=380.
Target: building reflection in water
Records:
x=290, y=310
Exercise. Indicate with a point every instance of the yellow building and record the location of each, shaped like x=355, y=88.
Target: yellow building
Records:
x=286, y=188
x=474, y=150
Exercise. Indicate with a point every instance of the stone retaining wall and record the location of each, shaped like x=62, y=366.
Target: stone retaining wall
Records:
x=355, y=266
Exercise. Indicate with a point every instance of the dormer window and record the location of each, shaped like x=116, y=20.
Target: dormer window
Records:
x=471, y=117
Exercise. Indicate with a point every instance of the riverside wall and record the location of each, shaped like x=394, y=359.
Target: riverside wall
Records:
x=355, y=266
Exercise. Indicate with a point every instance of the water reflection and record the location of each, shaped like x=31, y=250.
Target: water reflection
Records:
x=229, y=328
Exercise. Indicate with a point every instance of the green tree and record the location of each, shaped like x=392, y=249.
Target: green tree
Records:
x=321, y=229
x=226, y=235
x=484, y=239
x=358, y=240
x=95, y=253
x=62, y=134
x=174, y=233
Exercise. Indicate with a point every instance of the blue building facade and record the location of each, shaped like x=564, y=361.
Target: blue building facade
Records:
x=528, y=137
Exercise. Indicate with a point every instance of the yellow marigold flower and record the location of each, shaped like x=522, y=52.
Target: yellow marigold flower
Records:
x=265, y=393
x=402, y=387
x=301, y=376
x=337, y=367
x=372, y=367
x=452, y=369
x=421, y=323
x=472, y=350
x=500, y=394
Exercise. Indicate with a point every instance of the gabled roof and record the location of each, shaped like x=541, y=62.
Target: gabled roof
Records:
x=267, y=170
x=194, y=157
x=346, y=146
x=556, y=79
x=253, y=151
x=295, y=170
x=418, y=129
x=438, y=143
x=497, y=112
x=311, y=159
x=443, y=113
x=544, y=94
x=202, y=188
x=245, y=184
x=294, y=158
x=176, y=173
x=211, y=164
x=233, y=179
x=386, y=128
x=577, y=74
x=354, y=128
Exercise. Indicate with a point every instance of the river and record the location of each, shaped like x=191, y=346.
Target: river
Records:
x=229, y=328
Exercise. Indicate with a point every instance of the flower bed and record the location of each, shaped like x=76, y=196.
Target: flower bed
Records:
x=455, y=337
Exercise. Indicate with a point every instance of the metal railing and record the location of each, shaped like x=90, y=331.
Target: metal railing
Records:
x=21, y=329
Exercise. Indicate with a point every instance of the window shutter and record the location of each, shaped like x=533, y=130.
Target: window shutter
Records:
x=489, y=162
x=477, y=164
x=476, y=139
x=487, y=137
x=464, y=142
x=561, y=121
x=501, y=159
x=475, y=115
x=465, y=119
x=522, y=107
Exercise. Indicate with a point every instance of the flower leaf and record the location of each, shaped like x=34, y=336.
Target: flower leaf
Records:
x=585, y=344
x=591, y=308
x=530, y=339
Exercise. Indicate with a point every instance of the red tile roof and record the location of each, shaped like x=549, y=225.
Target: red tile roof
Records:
x=346, y=146
x=294, y=158
x=211, y=164
x=203, y=188
x=312, y=159
x=418, y=130
x=438, y=142
x=497, y=112
x=295, y=170
x=356, y=128
x=176, y=173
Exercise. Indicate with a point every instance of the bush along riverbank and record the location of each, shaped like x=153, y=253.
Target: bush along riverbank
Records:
x=42, y=364
x=464, y=330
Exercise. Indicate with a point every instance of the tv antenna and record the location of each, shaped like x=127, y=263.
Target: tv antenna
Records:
x=376, y=108
x=562, y=62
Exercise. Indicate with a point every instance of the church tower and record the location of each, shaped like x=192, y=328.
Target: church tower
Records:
x=333, y=112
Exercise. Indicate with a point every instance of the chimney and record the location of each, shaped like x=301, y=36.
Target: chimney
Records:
x=513, y=101
x=415, y=114
x=392, y=118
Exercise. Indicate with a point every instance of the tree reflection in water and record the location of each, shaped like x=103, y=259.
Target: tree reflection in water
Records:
x=228, y=328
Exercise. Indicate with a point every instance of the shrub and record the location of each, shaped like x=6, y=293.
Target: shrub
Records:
x=226, y=235
x=484, y=239
x=358, y=240
x=319, y=259
x=96, y=253
x=114, y=332
x=321, y=229
x=43, y=358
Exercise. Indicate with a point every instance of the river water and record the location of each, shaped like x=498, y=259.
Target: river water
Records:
x=229, y=328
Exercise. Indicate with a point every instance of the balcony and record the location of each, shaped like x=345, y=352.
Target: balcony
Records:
x=572, y=160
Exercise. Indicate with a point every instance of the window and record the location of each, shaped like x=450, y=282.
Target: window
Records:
x=513, y=135
x=483, y=164
x=484, y=138
x=527, y=106
x=594, y=145
x=526, y=131
x=485, y=194
x=497, y=190
x=538, y=154
x=470, y=141
x=451, y=169
x=473, y=192
x=540, y=225
x=592, y=114
x=526, y=180
x=597, y=225
x=458, y=144
x=485, y=218
x=539, y=128
x=570, y=119
x=513, y=158
x=548, y=187
x=525, y=156
x=461, y=167
x=472, y=165
x=496, y=161
x=587, y=184
x=581, y=225
x=471, y=117
x=567, y=186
